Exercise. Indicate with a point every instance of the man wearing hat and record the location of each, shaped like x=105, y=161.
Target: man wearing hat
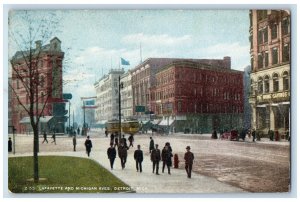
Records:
x=88, y=145
x=189, y=158
x=155, y=158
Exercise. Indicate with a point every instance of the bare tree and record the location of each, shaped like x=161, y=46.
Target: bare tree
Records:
x=28, y=75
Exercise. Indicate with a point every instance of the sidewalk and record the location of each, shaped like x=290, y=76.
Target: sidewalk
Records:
x=147, y=182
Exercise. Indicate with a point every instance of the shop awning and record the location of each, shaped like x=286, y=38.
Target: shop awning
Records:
x=155, y=122
x=43, y=119
x=145, y=122
x=101, y=122
x=165, y=122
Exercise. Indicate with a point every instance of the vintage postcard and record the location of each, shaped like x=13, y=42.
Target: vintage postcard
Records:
x=151, y=101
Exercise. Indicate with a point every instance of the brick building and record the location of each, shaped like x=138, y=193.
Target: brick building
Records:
x=47, y=60
x=143, y=78
x=270, y=39
x=198, y=95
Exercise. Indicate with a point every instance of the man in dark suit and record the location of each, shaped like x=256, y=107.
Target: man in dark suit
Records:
x=88, y=145
x=122, y=152
x=189, y=159
x=155, y=158
x=138, y=157
x=111, y=154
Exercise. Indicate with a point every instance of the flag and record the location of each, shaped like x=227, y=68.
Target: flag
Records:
x=124, y=62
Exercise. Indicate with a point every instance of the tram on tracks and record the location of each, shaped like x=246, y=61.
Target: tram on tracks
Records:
x=128, y=126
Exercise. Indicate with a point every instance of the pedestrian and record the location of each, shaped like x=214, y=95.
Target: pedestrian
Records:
x=88, y=145
x=214, y=135
x=78, y=131
x=131, y=140
x=169, y=146
x=124, y=141
x=138, y=157
x=45, y=137
x=166, y=157
x=253, y=135
x=54, y=138
x=112, y=137
x=189, y=159
x=122, y=152
x=287, y=135
x=74, y=142
x=9, y=145
x=106, y=132
x=151, y=146
x=155, y=158
x=116, y=142
x=111, y=154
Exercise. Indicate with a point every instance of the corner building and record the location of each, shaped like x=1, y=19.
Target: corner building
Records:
x=198, y=96
x=270, y=40
x=49, y=63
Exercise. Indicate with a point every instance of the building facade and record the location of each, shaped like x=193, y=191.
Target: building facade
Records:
x=144, y=79
x=47, y=62
x=107, y=93
x=195, y=96
x=270, y=40
x=247, y=106
x=126, y=96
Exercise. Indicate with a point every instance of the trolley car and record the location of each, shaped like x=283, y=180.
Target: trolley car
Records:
x=127, y=126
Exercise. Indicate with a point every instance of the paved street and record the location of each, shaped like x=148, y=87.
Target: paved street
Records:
x=220, y=166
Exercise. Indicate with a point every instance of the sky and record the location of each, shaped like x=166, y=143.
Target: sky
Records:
x=95, y=40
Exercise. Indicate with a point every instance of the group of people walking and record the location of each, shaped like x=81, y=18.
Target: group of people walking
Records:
x=46, y=140
x=156, y=156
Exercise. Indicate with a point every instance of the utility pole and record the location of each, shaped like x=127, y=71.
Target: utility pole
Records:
x=69, y=117
x=120, y=107
x=84, y=117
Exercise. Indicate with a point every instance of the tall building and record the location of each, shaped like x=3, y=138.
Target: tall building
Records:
x=195, y=96
x=126, y=96
x=247, y=106
x=270, y=38
x=47, y=61
x=107, y=92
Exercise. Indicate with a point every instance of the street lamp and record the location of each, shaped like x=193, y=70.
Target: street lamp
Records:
x=120, y=87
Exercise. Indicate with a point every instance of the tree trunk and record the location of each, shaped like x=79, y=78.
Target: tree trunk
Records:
x=35, y=153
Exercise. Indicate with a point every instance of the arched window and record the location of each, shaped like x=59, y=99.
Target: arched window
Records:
x=275, y=83
x=286, y=81
x=260, y=85
x=267, y=84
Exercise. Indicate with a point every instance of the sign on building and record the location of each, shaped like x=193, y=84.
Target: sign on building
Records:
x=140, y=108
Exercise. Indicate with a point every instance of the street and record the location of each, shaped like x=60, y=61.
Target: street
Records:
x=253, y=167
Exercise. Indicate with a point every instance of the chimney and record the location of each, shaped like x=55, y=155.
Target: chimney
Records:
x=227, y=62
x=38, y=44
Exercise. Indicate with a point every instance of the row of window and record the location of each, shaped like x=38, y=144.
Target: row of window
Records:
x=198, y=108
x=263, y=57
x=194, y=76
x=263, y=83
x=285, y=23
x=141, y=74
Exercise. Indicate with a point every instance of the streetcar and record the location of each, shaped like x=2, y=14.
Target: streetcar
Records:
x=128, y=126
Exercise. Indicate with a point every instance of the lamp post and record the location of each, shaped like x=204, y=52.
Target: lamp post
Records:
x=83, y=118
x=120, y=87
x=69, y=116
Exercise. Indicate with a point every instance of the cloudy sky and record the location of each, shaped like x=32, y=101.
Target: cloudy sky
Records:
x=94, y=40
